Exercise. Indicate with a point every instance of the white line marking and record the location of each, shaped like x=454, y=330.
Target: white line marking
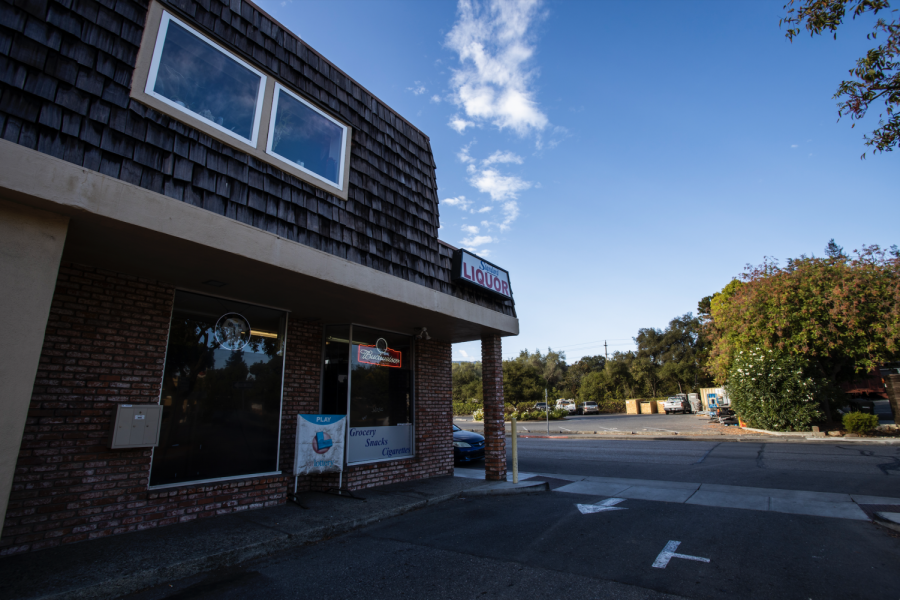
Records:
x=668, y=553
x=602, y=506
x=564, y=429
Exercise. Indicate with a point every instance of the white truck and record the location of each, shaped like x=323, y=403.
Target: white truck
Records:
x=677, y=403
x=564, y=404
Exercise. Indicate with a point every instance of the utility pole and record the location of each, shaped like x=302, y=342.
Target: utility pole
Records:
x=605, y=351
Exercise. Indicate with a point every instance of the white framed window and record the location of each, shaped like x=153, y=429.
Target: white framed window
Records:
x=194, y=75
x=306, y=138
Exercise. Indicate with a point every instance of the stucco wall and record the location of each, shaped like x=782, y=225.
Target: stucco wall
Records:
x=31, y=244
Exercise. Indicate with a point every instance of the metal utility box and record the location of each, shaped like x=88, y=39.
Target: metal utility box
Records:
x=136, y=426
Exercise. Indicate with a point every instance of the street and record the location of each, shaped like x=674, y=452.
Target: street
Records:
x=589, y=545
x=821, y=466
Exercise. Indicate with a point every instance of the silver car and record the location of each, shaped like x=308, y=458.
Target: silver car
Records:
x=590, y=408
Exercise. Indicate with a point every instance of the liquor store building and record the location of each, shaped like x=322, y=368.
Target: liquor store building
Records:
x=206, y=230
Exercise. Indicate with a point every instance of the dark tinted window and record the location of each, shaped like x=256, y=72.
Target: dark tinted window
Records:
x=381, y=390
x=335, y=372
x=221, y=391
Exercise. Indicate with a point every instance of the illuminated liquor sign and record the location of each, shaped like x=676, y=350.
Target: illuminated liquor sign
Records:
x=468, y=268
x=379, y=355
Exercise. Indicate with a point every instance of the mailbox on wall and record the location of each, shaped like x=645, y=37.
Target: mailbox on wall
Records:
x=136, y=426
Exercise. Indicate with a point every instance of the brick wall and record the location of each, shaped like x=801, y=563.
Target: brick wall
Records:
x=892, y=386
x=105, y=344
x=494, y=427
x=302, y=378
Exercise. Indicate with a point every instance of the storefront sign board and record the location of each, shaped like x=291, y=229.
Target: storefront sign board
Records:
x=369, y=444
x=472, y=270
x=320, y=444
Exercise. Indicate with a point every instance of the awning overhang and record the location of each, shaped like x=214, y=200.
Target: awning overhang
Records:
x=125, y=228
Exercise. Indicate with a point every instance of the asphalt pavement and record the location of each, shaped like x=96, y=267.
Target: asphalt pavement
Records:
x=543, y=546
x=822, y=467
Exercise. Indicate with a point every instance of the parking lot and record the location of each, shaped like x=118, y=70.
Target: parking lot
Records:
x=605, y=423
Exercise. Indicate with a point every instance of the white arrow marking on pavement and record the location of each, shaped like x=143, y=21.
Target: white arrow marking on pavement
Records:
x=602, y=506
x=668, y=553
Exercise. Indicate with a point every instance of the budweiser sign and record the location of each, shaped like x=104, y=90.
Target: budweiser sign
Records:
x=379, y=355
x=468, y=268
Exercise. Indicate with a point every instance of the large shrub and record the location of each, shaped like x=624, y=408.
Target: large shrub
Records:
x=857, y=422
x=770, y=389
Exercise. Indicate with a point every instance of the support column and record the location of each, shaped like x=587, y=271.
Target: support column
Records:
x=892, y=385
x=31, y=245
x=494, y=428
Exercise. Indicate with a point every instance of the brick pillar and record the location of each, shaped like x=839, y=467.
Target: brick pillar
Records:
x=494, y=429
x=892, y=383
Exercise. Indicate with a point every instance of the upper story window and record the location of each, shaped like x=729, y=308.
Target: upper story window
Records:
x=305, y=136
x=189, y=77
x=192, y=74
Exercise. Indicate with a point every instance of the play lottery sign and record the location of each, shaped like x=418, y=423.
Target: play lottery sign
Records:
x=320, y=444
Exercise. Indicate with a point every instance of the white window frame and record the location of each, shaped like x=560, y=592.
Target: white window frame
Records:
x=274, y=113
x=154, y=69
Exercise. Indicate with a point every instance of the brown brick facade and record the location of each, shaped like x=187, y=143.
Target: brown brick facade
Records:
x=105, y=344
x=892, y=386
x=494, y=428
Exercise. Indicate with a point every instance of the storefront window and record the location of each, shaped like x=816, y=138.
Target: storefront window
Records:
x=336, y=370
x=371, y=372
x=221, y=391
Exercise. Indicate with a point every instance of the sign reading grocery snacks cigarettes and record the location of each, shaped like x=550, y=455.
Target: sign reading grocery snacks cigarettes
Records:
x=470, y=269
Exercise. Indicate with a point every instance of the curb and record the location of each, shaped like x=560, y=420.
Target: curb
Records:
x=876, y=518
x=533, y=488
x=721, y=438
x=142, y=580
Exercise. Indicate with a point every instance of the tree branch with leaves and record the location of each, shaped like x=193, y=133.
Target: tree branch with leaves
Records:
x=876, y=75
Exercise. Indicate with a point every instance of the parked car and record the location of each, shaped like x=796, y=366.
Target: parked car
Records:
x=467, y=445
x=675, y=404
x=568, y=405
x=540, y=406
x=590, y=408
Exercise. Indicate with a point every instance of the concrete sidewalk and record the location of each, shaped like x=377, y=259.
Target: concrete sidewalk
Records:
x=118, y=565
x=821, y=504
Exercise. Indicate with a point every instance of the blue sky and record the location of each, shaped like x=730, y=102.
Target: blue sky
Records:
x=621, y=159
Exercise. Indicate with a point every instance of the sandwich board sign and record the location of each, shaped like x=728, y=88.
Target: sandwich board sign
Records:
x=320, y=444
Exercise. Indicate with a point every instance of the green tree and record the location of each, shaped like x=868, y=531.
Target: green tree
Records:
x=552, y=366
x=770, y=389
x=577, y=371
x=523, y=383
x=876, y=77
x=840, y=313
x=467, y=383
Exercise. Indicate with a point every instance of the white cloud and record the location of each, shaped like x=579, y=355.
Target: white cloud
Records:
x=436, y=99
x=484, y=252
x=418, y=89
x=477, y=240
x=500, y=187
x=493, y=83
x=485, y=209
x=510, y=214
x=793, y=145
x=459, y=202
x=464, y=354
x=503, y=158
x=470, y=229
x=459, y=125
